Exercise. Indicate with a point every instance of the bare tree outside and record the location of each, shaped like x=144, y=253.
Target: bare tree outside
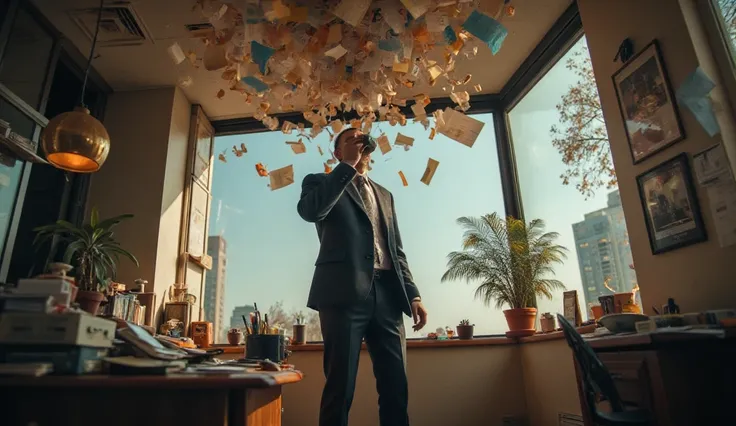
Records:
x=580, y=136
x=278, y=316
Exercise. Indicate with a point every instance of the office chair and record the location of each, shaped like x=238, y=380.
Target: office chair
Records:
x=597, y=382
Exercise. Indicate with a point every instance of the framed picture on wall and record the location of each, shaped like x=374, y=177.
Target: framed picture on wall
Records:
x=670, y=205
x=648, y=107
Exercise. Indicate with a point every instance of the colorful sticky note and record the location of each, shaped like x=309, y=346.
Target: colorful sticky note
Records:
x=260, y=54
x=487, y=29
x=255, y=83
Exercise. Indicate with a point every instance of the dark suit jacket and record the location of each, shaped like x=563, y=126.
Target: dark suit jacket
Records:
x=344, y=269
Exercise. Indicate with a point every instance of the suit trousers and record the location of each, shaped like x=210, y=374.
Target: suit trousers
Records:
x=379, y=320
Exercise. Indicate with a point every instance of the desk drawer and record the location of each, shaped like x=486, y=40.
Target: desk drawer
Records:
x=631, y=376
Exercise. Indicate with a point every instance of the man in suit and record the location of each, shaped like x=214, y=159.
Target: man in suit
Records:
x=361, y=283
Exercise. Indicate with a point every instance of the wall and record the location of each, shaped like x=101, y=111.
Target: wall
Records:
x=549, y=381
x=144, y=175
x=464, y=386
x=698, y=276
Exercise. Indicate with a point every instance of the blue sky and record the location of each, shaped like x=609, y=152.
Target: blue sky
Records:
x=271, y=250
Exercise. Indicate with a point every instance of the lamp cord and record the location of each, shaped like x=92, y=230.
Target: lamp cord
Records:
x=91, y=55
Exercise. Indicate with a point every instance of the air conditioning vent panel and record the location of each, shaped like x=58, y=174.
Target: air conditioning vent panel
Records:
x=120, y=25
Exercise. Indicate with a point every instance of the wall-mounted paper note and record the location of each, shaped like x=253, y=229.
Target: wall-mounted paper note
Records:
x=693, y=93
x=403, y=140
x=335, y=34
x=255, y=83
x=429, y=171
x=297, y=146
x=712, y=167
x=722, y=199
x=352, y=11
x=281, y=177
x=459, y=127
x=214, y=57
x=176, y=53
x=487, y=29
x=260, y=55
x=383, y=144
x=417, y=8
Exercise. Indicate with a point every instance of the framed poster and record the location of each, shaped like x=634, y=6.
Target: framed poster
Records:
x=670, y=206
x=647, y=105
x=198, y=206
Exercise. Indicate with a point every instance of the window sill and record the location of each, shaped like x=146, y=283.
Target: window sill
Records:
x=429, y=344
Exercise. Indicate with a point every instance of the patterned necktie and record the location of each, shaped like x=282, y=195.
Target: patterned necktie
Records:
x=370, y=208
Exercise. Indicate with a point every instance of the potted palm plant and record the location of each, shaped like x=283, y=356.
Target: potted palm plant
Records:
x=94, y=252
x=513, y=262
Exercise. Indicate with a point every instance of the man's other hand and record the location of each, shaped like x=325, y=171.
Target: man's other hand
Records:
x=419, y=314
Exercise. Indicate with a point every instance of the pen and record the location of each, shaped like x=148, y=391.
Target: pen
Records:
x=245, y=323
x=265, y=324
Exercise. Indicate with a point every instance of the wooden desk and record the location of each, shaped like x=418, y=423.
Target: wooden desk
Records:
x=252, y=399
x=684, y=379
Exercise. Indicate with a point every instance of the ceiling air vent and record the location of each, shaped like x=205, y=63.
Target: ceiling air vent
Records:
x=120, y=25
x=199, y=30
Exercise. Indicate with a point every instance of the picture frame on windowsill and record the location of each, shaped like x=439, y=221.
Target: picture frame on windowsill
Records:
x=647, y=104
x=671, y=208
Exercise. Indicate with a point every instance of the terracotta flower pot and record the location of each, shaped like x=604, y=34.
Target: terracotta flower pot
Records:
x=465, y=332
x=234, y=337
x=300, y=334
x=89, y=301
x=521, y=321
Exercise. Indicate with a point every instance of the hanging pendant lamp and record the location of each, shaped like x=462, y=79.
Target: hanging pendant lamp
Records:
x=75, y=141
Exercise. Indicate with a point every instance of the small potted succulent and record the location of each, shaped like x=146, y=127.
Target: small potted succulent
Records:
x=299, y=330
x=465, y=330
x=234, y=336
x=548, y=323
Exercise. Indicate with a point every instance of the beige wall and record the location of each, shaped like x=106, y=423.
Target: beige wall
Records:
x=144, y=175
x=699, y=276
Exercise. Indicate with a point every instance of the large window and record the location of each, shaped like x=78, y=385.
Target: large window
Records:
x=566, y=178
x=271, y=250
x=727, y=10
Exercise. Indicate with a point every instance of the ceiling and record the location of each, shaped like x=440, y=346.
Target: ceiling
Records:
x=148, y=65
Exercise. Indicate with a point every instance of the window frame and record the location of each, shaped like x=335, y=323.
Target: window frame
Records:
x=565, y=32
x=723, y=51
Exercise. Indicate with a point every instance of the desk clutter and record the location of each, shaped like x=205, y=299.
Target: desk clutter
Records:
x=44, y=332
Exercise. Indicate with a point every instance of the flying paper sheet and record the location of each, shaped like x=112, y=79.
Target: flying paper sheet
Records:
x=297, y=146
x=177, y=55
x=392, y=44
x=403, y=140
x=487, y=29
x=281, y=177
x=390, y=13
x=429, y=171
x=214, y=58
x=417, y=8
x=352, y=11
x=459, y=127
x=255, y=83
x=693, y=93
x=403, y=178
x=260, y=55
x=336, y=52
x=383, y=144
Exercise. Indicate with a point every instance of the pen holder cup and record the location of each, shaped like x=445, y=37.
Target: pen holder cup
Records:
x=265, y=346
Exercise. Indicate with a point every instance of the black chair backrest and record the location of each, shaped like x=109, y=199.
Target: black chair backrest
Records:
x=596, y=379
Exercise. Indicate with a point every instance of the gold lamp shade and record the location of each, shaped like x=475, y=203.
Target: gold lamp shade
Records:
x=75, y=141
